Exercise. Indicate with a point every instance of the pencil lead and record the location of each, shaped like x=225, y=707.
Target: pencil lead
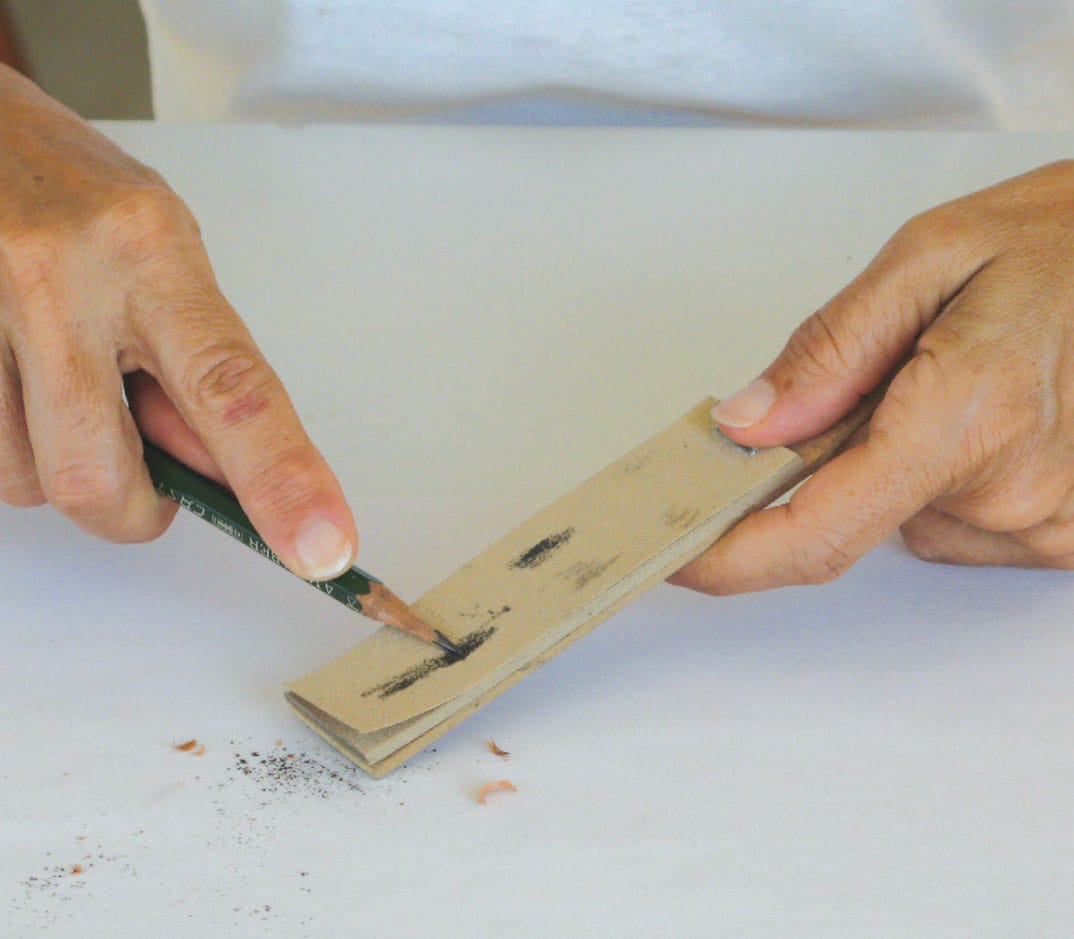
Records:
x=448, y=646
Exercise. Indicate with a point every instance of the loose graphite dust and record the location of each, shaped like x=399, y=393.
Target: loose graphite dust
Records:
x=280, y=771
x=69, y=877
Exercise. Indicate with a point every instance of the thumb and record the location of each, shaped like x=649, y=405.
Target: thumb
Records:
x=846, y=348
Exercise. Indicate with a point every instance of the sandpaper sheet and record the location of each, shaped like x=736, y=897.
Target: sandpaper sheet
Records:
x=540, y=587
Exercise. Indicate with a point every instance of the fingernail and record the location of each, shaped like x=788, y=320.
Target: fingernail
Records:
x=746, y=407
x=324, y=550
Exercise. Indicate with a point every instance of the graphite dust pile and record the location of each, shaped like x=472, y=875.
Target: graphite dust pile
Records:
x=279, y=771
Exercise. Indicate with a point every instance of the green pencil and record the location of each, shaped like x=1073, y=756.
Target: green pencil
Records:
x=356, y=589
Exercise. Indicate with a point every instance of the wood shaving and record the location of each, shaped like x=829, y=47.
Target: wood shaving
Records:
x=501, y=785
x=191, y=746
x=495, y=749
x=77, y=869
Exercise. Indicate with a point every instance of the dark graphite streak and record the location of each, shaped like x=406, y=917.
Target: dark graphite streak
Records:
x=540, y=552
x=425, y=667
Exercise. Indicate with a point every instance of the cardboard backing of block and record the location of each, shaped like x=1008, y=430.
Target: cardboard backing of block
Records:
x=545, y=585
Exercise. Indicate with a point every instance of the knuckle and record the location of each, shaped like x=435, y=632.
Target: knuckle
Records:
x=131, y=221
x=1012, y=506
x=21, y=490
x=1062, y=168
x=945, y=242
x=145, y=222
x=84, y=490
x=1052, y=540
x=1058, y=560
x=822, y=559
x=826, y=566
x=950, y=340
x=230, y=381
x=823, y=346
x=943, y=229
x=921, y=540
x=964, y=423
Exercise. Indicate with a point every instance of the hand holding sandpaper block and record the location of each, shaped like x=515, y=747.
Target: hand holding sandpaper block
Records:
x=548, y=583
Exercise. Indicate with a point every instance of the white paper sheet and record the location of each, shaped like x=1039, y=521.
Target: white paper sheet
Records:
x=889, y=755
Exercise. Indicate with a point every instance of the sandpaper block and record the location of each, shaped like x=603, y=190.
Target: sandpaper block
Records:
x=547, y=583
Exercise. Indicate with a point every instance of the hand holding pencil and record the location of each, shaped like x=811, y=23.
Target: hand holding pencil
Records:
x=104, y=277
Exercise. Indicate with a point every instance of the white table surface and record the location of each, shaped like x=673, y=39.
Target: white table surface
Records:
x=471, y=321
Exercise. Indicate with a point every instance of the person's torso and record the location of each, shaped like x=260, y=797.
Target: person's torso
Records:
x=951, y=63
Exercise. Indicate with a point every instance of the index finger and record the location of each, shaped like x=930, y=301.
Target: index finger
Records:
x=229, y=395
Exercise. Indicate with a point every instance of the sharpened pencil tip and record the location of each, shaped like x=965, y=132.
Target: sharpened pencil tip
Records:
x=448, y=646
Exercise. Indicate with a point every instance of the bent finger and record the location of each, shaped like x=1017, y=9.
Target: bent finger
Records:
x=827, y=525
x=231, y=398
x=18, y=474
x=935, y=536
x=86, y=447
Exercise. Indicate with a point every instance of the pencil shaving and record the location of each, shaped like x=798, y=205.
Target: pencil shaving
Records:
x=192, y=747
x=501, y=785
x=491, y=744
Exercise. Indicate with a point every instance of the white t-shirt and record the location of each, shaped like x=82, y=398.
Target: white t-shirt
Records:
x=880, y=63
